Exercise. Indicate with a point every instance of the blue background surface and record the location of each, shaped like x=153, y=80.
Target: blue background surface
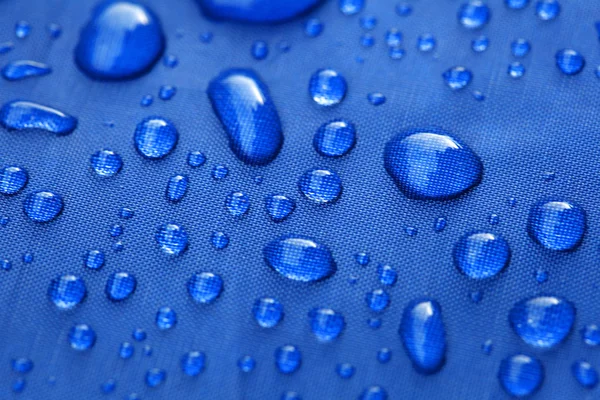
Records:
x=543, y=122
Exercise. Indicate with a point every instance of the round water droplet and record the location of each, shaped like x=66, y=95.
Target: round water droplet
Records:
x=440, y=224
x=177, y=188
x=376, y=99
x=166, y=318
x=196, y=159
x=345, y=370
x=139, y=335
x=237, y=203
x=387, y=275
x=480, y=44
x=260, y=50
x=396, y=53
x=109, y=386
x=473, y=14
x=585, y=374
x=378, y=300
x=393, y=37
x=192, y=363
x=521, y=375
x=368, y=22
x=106, y=163
x=542, y=322
x=351, y=7
x=362, y=258
x=520, y=47
x=326, y=324
x=21, y=365
x=335, y=138
x=321, y=186
x=267, y=312
x=12, y=180
x=313, y=27
x=547, y=10
x=487, y=347
x=120, y=285
x=22, y=29
x=5, y=47
x=327, y=87
x=431, y=165
x=167, y=92
x=205, y=287
x=220, y=172
x=516, y=69
x=219, y=240
x=94, y=259
x=42, y=206
x=155, y=137
x=481, y=255
x=155, y=377
x=591, y=335
x=170, y=61
x=426, y=43
x=82, y=337
x=516, y=4
x=147, y=100
x=288, y=359
x=557, y=225
x=279, y=207
x=457, y=77
x=569, y=61
x=67, y=291
x=126, y=350
x=374, y=393
x=121, y=40
x=384, y=355
x=172, y=239
x=246, y=364
x=299, y=258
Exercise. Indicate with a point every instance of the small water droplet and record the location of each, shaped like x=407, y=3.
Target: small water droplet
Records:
x=12, y=179
x=569, y=61
x=18, y=70
x=21, y=115
x=220, y=172
x=374, y=323
x=591, y=335
x=147, y=350
x=279, y=207
x=440, y=224
x=374, y=393
x=481, y=255
x=376, y=99
x=5, y=47
x=166, y=318
x=557, y=225
x=326, y=324
x=22, y=29
x=457, y=77
x=321, y=186
x=288, y=359
x=6, y=265
x=167, y=92
x=94, y=259
x=520, y=47
x=411, y=231
x=120, y=286
x=476, y=296
x=327, y=87
x=396, y=53
x=313, y=27
x=290, y=396
x=21, y=365
x=205, y=287
x=147, y=100
x=384, y=355
x=196, y=159
x=541, y=276
x=351, y=7
x=109, y=386
x=27, y=258
x=237, y=203
x=335, y=138
x=155, y=137
x=246, y=364
x=67, y=291
x=480, y=44
x=367, y=40
x=487, y=347
x=193, y=363
x=126, y=213
x=585, y=374
x=82, y=337
x=177, y=188
x=172, y=239
x=521, y=375
x=547, y=10
x=139, y=335
x=170, y=61
x=206, y=37
x=368, y=22
x=362, y=258
x=387, y=275
x=345, y=370
x=155, y=377
x=404, y=9
x=393, y=37
x=267, y=312
x=116, y=230
x=426, y=43
x=106, y=163
x=219, y=240
x=516, y=69
x=378, y=300
x=473, y=14
x=260, y=50
x=126, y=350
x=516, y=4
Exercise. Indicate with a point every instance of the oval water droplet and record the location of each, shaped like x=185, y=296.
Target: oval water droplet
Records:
x=42, y=206
x=21, y=365
x=166, y=318
x=196, y=159
x=431, y=165
x=516, y=69
x=267, y=312
x=327, y=87
x=82, y=337
x=167, y=92
x=520, y=47
x=67, y=291
x=457, y=77
x=205, y=287
x=557, y=225
x=288, y=359
x=423, y=335
x=547, y=10
x=313, y=27
x=591, y=335
x=378, y=300
x=126, y=350
x=244, y=106
x=219, y=240
x=21, y=115
x=326, y=324
x=177, y=188
x=351, y=7
x=542, y=322
x=474, y=14
x=374, y=393
x=155, y=377
x=18, y=70
x=106, y=163
x=480, y=44
x=569, y=61
x=256, y=11
x=237, y=203
x=279, y=207
x=246, y=364
x=335, y=138
x=481, y=255
x=120, y=285
x=121, y=40
x=172, y=239
x=345, y=370
x=321, y=186
x=94, y=259
x=299, y=258
x=521, y=375
x=426, y=43
x=193, y=362
x=516, y=4
x=387, y=275
x=155, y=137
x=12, y=179
x=22, y=29
x=260, y=50
x=585, y=374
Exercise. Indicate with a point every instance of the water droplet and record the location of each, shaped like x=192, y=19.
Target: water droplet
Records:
x=521, y=375
x=290, y=396
x=378, y=300
x=284, y=46
x=396, y=53
x=6, y=265
x=547, y=10
x=516, y=4
x=345, y=370
x=480, y=44
x=170, y=61
x=326, y=324
x=167, y=92
x=155, y=137
x=4, y=221
x=42, y=206
x=487, y=347
x=598, y=72
x=299, y=258
x=476, y=296
x=21, y=365
x=457, y=77
x=423, y=335
x=106, y=163
x=19, y=385
x=431, y=165
x=237, y=203
x=541, y=276
x=5, y=47
x=404, y=9
x=94, y=259
x=327, y=87
x=220, y=172
x=116, y=230
x=172, y=239
x=139, y=334
x=585, y=374
x=288, y=359
x=516, y=69
x=313, y=27
x=206, y=37
x=166, y=318
x=374, y=393
x=393, y=37
x=351, y=7
x=109, y=386
x=219, y=240
x=243, y=104
x=120, y=285
x=387, y=275
x=177, y=188
x=426, y=43
x=520, y=47
x=321, y=186
x=368, y=22
x=118, y=246
x=155, y=377
x=126, y=350
x=557, y=225
x=121, y=40
x=384, y=355
x=367, y=40
x=473, y=14
x=440, y=224
x=335, y=138
x=82, y=337
x=362, y=258
x=246, y=364
x=27, y=258
x=481, y=255
x=193, y=362
x=147, y=350
x=374, y=323
x=12, y=179
x=569, y=61
x=205, y=287
x=279, y=207
x=21, y=115
x=591, y=335
x=376, y=99
x=260, y=50
x=478, y=95
x=22, y=29
x=542, y=322
x=67, y=291
x=267, y=312
x=196, y=159
x=18, y=70
x=259, y=11
x=147, y=100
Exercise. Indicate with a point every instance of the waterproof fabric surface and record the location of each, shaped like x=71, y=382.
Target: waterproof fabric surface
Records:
x=524, y=129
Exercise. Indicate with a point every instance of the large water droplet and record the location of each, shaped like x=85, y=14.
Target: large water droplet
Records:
x=327, y=87
x=20, y=115
x=474, y=14
x=121, y=40
x=177, y=188
x=326, y=324
x=569, y=61
x=320, y=185
x=257, y=11
x=423, y=335
x=172, y=239
x=288, y=359
x=18, y=70
x=431, y=165
x=120, y=285
x=205, y=287
x=585, y=373
x=42, y=206
x=82, y=337
x=335, y=138
x=557, y=225
x=300, y=258
x=457, y=77
x=279, y=207
x=245, y=108
x=543, y=321
x=192, y=363
x=521, y=375
x=267, y=312
x=106, y=163
x=155, y=137
x=481, y=255
x=12, y=179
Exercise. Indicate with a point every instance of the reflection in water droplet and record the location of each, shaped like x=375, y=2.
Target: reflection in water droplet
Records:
x=288, y=359
x=326, y=324
x=167, y=92
x=205, y=287
x=155, y=376
x=321, y=186
x=585, y=374
x=423, y=335
x=473, y=14
x=177, y=188
x=12, y=179
x=351, y=7
x=547, y=10
x=193, y=362
x=166, y=318
x=557, y=225
x=335, y=138
x=481, y=255
x=246, y=364
x=457, y=77
x=237, y=203
x=82, y=337
x=378, y=300
x=219, y=240
x=426, y=43
x=22, y=29
x=387, y=275
x=20, y=115
x=345, y=370
x=279, y=207
x=106, y=163
x=196, y=159
x=542, y=322
x=569, y=61
x=480, y=44
x=121, y=40
x=362, y=258
x=267, y=312
x=521, y=375
x=327, y=87
x=313, y=27
x=18, y=70
x=431, y=165
x=120, y=285
x=260, y=50
x=155, y=137
x=94, y=259
x=374, y=393
x=591, y=335
x=67, y=291
x=299, y=258
x=516, y=69
x=384, y=355
x=172, y=239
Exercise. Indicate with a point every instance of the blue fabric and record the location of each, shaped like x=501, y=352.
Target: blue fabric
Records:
x=543, y=122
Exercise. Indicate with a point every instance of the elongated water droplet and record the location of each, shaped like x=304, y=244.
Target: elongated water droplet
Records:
x=481, y=255
x=12, y=179
x=299, y=258
x=193, y=362
x=387, y=275
x=244, y=106
x=121, y=40
x=335, y=138
x=585, y=374
x=279, y=207
x=457, y=77
x=327, y=87
x=177, y=188
x=521, y=375
x=474, y=14
x=18, y=70
x=516, y=4
x=155, y=137
x=288, y=359
x=569, y=61
x=423, y=335
x=20, y=115
x=557, y=225
x=42, y=206
x=267, y=312
x=256, y=11
x=106, y=163
x=431, y=165
x=120, y=286
x=321, y=186
x=94, y=259
x=205, y=287
x=82, y=337
x=260, y=50
x=326, y=324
